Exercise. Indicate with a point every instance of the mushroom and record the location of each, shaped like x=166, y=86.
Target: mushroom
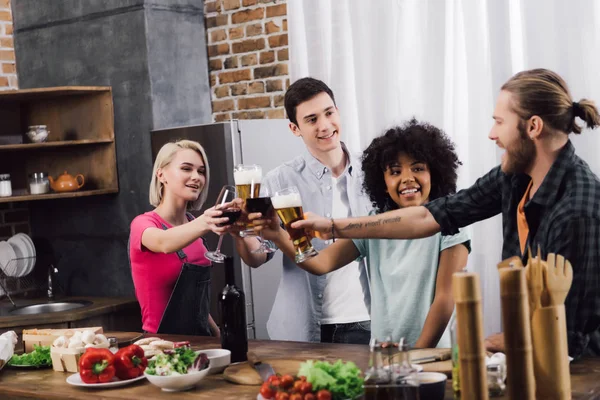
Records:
x=60, y=341
x=88, y=337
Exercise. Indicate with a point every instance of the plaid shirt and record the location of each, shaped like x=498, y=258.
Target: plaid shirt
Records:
x=563, y=218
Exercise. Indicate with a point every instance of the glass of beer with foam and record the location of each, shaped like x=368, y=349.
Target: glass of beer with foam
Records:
x=247, y=184
x=288, y=204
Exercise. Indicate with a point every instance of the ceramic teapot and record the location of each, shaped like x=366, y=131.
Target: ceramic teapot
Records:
x=66, y=182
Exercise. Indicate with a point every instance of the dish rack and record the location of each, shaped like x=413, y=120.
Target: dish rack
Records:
x=12, y=285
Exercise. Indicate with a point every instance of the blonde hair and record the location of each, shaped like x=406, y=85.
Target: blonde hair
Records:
x=164, y=158
x=544, y=93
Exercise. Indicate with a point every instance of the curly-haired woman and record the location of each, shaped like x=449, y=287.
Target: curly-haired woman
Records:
x=410, y=280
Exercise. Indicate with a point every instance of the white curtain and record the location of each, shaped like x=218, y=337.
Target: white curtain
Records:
x=444, y=62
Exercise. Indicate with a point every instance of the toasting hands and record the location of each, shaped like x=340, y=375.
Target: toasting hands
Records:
x=215, y=220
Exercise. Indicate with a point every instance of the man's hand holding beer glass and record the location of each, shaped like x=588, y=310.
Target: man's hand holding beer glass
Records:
x=288, y=206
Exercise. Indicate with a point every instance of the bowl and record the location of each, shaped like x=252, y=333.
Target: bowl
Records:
x=219, y=359
x=175, y=383
x=432, y=385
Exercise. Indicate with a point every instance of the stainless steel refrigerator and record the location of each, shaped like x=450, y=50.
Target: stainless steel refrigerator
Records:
x=268, y=143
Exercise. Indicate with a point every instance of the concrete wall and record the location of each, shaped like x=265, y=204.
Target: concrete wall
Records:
x=153, y=55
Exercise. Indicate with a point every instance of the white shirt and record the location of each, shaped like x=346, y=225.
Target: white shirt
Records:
x=343, y=297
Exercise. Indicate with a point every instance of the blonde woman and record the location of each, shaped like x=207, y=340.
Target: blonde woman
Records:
x=166, y=246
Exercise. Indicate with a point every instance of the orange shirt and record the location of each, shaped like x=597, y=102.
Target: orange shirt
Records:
x=522, y=226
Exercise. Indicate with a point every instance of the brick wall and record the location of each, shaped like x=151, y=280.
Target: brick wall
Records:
x=14, y=217
x=8, y=72
x=248, y=55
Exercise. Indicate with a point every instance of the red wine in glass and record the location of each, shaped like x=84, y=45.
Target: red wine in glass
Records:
x=233, y=214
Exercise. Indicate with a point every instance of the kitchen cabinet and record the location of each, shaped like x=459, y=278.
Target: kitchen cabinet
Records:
x=81, y=139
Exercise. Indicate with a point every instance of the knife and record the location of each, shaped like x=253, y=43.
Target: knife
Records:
x=264, y=370
x=428, y=359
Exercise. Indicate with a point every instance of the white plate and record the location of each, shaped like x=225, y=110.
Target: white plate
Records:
x=75, y=380
x=31, y=251
x=7, y=255
x=22, y=251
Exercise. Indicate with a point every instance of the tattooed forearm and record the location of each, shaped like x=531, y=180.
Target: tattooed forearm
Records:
x=378, y=222
x=373, y=223
x=352, y=226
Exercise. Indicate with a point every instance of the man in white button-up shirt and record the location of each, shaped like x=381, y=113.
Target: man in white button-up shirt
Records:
x=334, y=307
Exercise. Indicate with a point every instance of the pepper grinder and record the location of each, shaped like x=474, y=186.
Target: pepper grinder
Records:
x=469, y=317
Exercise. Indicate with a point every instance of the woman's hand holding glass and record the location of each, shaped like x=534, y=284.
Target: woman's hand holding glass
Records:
x=214, y=219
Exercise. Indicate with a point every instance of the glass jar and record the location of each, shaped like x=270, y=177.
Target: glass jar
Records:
x=5, y=185
x=39, y=183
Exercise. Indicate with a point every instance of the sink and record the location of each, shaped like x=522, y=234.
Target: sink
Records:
x=50, y=307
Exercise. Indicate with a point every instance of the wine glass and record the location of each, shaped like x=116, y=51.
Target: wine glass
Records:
x=262, y=204
x=227, y=195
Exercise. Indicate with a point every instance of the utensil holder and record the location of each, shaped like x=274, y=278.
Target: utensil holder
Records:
x=517, y=334
x=551, y=353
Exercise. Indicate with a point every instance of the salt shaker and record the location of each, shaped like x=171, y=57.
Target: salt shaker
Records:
x=5, y=185
x=495, y=379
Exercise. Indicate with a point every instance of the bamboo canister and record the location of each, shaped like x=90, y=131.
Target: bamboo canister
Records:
x=471, y=352
x=551, y=353
x=517, y=334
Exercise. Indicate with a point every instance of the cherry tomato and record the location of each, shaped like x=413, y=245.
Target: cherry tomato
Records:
x=302, y=378
x=296, y=396
x=298, y=386
x=323, y=395
x=266, y=391
x=276, y=383
x=272, y=378
x=306, y=387
x=309, y=396
x=282, y=396
x=287, y=381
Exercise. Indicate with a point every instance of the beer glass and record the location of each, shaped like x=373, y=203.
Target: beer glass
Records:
x=288, y=204
x=247, y=183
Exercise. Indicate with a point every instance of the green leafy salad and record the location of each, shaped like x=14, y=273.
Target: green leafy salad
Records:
x=343, y=380
x=179, y=361
x=39, y=357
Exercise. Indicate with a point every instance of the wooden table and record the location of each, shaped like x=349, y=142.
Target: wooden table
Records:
x=47, y=384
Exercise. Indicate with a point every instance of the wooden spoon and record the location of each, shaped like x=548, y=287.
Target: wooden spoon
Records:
x=558, y=280
x=535, y=281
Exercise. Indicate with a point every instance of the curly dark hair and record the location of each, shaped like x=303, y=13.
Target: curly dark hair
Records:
x=421, y=141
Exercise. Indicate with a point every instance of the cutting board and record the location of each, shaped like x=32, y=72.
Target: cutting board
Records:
x=445, y=366
x=243, y=374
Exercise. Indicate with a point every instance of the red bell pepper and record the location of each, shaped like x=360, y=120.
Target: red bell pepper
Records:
x=96, y=366
x=130, y=362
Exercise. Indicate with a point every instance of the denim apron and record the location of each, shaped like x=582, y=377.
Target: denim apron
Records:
x=189, y=305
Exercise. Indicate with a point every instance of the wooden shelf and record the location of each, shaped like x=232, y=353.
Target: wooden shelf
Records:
x=50, y=93
x=44, y=145
x=48, y=196
x=81, y=139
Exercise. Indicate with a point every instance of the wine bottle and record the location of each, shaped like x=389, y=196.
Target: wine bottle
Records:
x=232, y=302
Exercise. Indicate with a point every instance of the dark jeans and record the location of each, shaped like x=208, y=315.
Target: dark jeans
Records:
x=351, y=333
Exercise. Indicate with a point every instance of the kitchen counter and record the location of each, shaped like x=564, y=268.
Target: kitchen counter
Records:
x=112, y=313
x=47, y=384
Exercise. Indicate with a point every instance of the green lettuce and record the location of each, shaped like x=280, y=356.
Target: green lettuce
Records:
x=342, y=379
x=39, y=357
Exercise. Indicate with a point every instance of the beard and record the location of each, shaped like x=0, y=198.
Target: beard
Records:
x=520, y=154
